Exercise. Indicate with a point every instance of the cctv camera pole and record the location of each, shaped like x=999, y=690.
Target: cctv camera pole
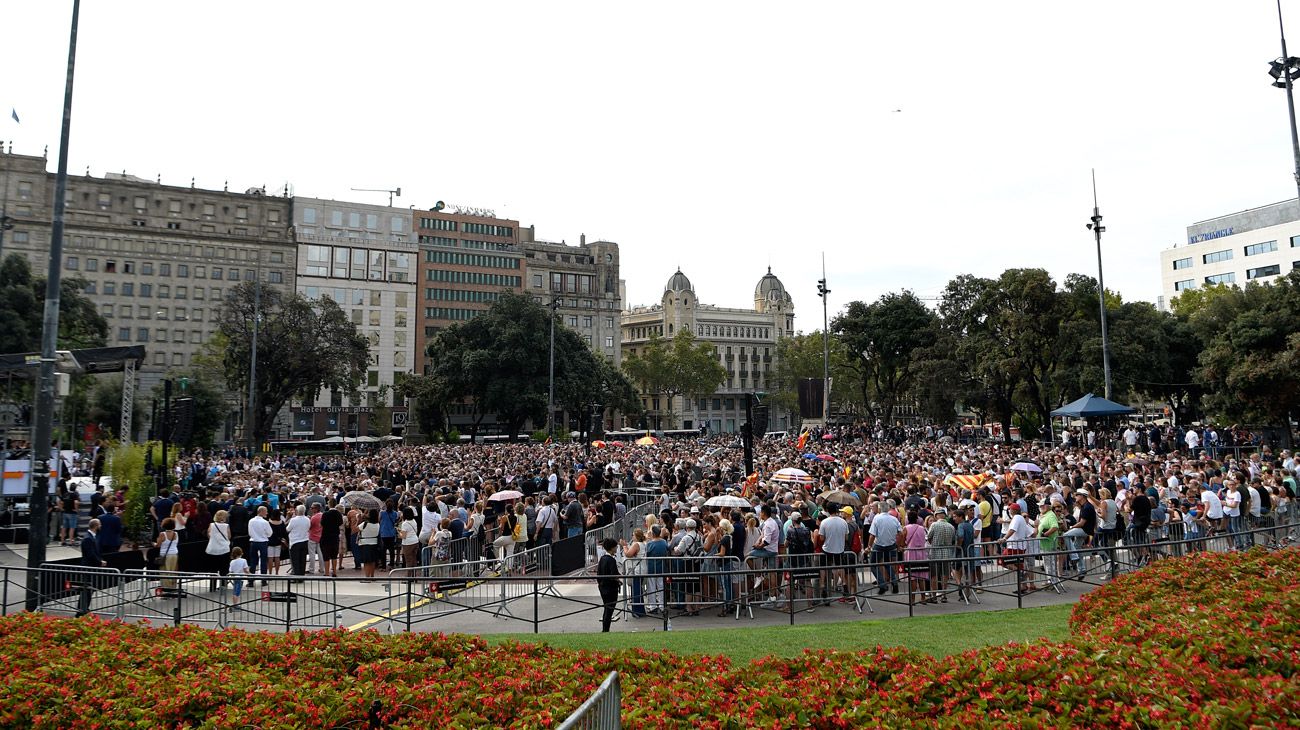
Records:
x=1287, y=77
x=38, y=532
x=822, y=292
x=1097, y=229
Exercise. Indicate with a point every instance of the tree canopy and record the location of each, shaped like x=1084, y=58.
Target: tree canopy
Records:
x=303, y=346
x=22, y=309
x=681, y=366
x=499, y=363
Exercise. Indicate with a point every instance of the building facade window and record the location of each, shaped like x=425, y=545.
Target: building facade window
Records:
x=1183, y=263
x=1228, y=278
x=1262, y=271
x=1256, y=249
x=1217, y=256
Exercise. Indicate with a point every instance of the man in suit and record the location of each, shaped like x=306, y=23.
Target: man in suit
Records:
x=110, y=531
x=607, y=581
x=90, y=555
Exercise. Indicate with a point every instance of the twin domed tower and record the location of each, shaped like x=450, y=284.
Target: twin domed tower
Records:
x=744, y=339
x=772, y=303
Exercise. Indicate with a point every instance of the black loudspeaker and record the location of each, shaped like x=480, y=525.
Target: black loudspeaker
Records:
x=183, y=417
x=760, y=421
x=811, y=391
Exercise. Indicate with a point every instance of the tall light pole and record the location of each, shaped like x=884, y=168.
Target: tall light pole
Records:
x=252, y=367
x=1097, y=228
x=822, y=292
x=44, y=427
x=1283, y=71
x=550, y=398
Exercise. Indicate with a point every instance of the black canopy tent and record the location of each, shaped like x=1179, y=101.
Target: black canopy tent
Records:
x=93, y=360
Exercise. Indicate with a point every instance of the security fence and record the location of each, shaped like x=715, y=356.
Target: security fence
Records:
x=520, y=591
x=601, y=711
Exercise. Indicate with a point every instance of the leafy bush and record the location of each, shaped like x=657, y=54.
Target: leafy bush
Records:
x=1200, y=642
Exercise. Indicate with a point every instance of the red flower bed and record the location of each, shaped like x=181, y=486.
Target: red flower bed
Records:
x=1207, y=641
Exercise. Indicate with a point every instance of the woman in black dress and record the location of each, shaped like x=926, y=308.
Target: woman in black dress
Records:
x=331, y=525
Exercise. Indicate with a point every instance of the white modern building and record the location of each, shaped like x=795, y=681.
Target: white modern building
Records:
x=365, y=258
x=744, y=341
x=1252, y=245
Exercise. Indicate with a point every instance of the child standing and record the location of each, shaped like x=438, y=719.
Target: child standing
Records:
x=238, y=567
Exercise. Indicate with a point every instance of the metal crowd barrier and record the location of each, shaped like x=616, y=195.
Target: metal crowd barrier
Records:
x=432, y=597
x=417, y=595
x=601, y=711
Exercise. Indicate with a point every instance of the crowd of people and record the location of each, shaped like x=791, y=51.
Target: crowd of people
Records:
x=872, y=510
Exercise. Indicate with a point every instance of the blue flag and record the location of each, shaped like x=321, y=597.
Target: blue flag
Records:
x=14, y=113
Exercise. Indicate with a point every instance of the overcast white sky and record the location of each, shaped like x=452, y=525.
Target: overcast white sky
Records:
x=718, y=136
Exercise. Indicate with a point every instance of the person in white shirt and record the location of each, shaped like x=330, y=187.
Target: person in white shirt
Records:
x=1130, y=437
x=545, y=523
x=259, y=538
x=299, y=529
x=430, y=518
x=1193, y=440
x=1017, y=542
x=1232, y=506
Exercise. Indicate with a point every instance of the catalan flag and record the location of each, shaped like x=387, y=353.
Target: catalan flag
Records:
x=803, y=440
x=848, y=472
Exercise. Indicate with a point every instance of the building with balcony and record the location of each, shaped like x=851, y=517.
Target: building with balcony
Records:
x=157, y=259
x=744, y=341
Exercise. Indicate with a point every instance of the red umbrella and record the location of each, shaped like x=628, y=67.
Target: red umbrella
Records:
x=825, y=457
x=828, y=437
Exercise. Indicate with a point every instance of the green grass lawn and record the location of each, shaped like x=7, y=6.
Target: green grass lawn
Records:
x=936, y=635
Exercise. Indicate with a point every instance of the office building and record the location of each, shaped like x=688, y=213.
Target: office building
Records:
x=364, y=257
x=468, y=256
x=157, y=258
x=1252, y=245
x=744, y=341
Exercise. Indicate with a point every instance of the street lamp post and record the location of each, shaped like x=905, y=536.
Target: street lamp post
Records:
x=38, y=503
x=1097, y=228
x=550, y=398
x=1283, y=71
x=252, y=367
x=822, y=292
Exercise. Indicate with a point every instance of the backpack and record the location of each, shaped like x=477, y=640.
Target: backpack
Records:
x=799, y=541
x=695, y=549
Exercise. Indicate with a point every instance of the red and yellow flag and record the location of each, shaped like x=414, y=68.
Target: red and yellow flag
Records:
x=803, y=440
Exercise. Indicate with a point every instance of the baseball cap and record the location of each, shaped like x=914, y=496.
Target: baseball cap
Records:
x=1084, y=492
x=846, y=510
x=796, y=516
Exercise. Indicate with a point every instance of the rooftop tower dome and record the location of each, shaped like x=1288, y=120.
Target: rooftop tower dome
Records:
x=770, y=294
x=678, y=283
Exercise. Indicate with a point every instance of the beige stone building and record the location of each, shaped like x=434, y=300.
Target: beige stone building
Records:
x=744, y=341
x=157, y=258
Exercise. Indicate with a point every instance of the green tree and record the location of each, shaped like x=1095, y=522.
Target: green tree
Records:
x=986, y=375
x=22, y=309
x=428, y=410
x=105, y=406
x=882, y=340
x=682, y=366
x=1251, y=354
x=498, y=364
x=303, y=346
x=802, y=356
x=210, y=406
